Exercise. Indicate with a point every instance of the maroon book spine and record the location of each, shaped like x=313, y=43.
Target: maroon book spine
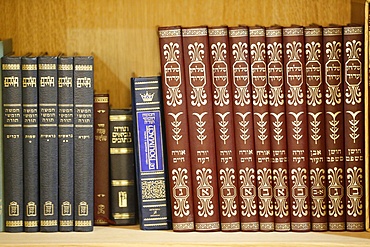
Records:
x=257, y=40
x=243, y=128
x=332, y=41
x=198, y=85
x=176, y=122
x=101, y=159
x=278, y=138
x=297, y=134
x=224, y=128
x=354, y=139
x=316, y=127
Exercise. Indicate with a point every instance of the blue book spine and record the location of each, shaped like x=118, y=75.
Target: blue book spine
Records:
x=150, y=163
x=84, y=143
x=6, y=47
x=65, y=142
x=12, y=140
x=30, y=144
x=48, y=143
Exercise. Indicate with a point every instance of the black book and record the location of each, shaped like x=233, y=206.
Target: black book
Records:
x=84, y=143
x=65, y=142
x=12, y=140
x=48, y=143
x=30, y=143
x=122, y=168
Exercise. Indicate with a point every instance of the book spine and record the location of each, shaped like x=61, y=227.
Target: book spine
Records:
x=12, y=140
x=260, y=88
x=316, y=127
x=200, y=117
x=65, y=142
x=278, y=132
x=332, y=41
x=83, y=143
x=177, y=132
x=30, y=144
x=224, y=128
x=122, y=168
x=101, y=160
x=296, y=120
x=243, y=128
x=354, y=140
x=6, y=47
x=48, y=143
x=150, y=162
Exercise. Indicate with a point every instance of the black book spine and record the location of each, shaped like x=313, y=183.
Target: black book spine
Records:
x=48, y=143
x=65, y=141
x=12, y=140
x=30, y=144
x=122, y=168
x=84, y=143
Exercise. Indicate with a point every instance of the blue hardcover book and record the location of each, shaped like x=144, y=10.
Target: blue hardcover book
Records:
x=48, y=142
x=12, y=140
x=65, y=142
x=30, y=144
x=150, y=163
x=6, y=47
x=84, y=143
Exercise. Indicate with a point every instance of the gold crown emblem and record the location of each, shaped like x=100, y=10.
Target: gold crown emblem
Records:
x=147, y=97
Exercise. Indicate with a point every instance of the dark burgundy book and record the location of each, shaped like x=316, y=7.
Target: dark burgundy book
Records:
x=224, y=128
x=260, y=101
x=278, y=134
x=334, y=128
x=354, y=139
x=101, y=160
x=316, y=127
x=243, y=128
x=297, y=134
x=177, y=132
x=198, y=84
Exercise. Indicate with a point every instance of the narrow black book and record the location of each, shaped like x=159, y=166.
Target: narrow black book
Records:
x=65, y=142
x=83, y=143
x=12, y=140
x=30, y=143
x=123, y=196
x=150, y=161
x=48, y=142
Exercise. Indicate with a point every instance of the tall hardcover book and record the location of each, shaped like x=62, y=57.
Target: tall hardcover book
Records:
x=30, y=144
x=83, y=87
x=48, y=142
x=12, y=140
x=366, y=110
x=177, y=132
x=150, y=161
x=260, y=89
x=278, y=132
x=316, y=127
x=224, y=128
x=198, y=84
x=243, y=128
x=296, y=120
x=101, y=160
x=354, y=139
x=65, y=142
x=334, y=128
x=123, y=195
x=6, y=47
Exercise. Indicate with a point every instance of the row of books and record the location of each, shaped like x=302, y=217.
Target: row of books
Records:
x=264, y=127
x=47, y=125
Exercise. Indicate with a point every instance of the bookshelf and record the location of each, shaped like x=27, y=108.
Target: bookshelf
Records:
x=122, y=35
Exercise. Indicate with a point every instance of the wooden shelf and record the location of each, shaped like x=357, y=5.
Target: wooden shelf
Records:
x=133, y=236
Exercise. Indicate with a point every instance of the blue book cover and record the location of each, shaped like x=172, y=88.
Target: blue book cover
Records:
x=6, y=47
x=150, y=162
